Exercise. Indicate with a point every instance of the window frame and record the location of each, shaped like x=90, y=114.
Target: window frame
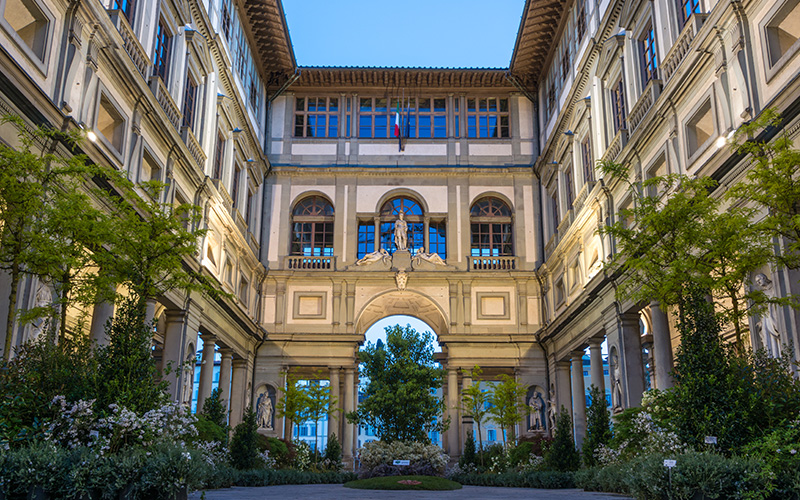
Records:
x=41, y=63
x=648, y=54
x=162, y=54
x=306, y=114
x=587, y=159
x=323, y=234
x=127, y=8
x=619, y=111
x=118, y=153
x=773, y=67
x=695, y=7
x=492, y=222
x=474, y=113
x=189, y=107
x=707, y=98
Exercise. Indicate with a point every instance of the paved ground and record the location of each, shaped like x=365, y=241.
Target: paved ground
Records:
x=336, y=491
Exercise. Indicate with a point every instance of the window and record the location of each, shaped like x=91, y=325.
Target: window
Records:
x=492, y=234
x=244, y=289
x=554, y=211
x=431, y=118
x=569, y=187
x=219, y=155
x=312, y=227
x=491, y=435
x=161, y=58
x=316, y=117
x=647, y=50
x=254, y=89
x=437, y=238
x=783, y=31
x=580, y=20
x=687, y=8
x=699, y=128
x=189, y=101
x=373, y=118
x=412, y=214
x=30, y=24
x=237, y=173
x=248, y=209
x=110, y=123
x=366, y=238
x=487, y=117
x=659, y=169
x=229, y=272
x=225, y=18
x=586, y=159
x=558, y=290
x=457, y=118
x=127, y=7
x=151, y=170
x=618, y=106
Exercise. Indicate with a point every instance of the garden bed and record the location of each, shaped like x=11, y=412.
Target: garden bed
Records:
x=431, y=483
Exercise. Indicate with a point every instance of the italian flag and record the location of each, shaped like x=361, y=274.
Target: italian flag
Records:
x=397, y=121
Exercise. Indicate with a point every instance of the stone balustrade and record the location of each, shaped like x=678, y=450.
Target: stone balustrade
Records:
x=166, y=101
x=303, y=263
x=493, y=263
x=131, y=43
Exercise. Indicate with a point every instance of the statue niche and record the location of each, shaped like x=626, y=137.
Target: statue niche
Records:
x=265, y=408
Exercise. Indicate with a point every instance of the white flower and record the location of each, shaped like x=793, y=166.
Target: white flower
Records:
x=793, y=452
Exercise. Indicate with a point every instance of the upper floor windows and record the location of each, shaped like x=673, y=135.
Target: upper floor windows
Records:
x=687, y=8
x=492, y=230
x=618, y=110
x=189, y=102
x=569, y=187
x=700, y=128
x=316, y=117
x=225, y=18
x=413, y=216
x=110, y=123
x=783, y=32
x=580, y=19
x=219, y=156
x=126, y=7
x=163, y=45
x=427, y=117
x=586, y=159
x=312, y=227
x=487, y=117
x=30, y=24
x=647, y=52
x=373, y=117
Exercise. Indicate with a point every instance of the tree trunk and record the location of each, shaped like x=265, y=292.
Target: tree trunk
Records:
x=12, y=310
x=737, y=327
x=64, y=302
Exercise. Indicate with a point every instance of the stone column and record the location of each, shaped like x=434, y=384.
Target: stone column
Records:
x=238, y=388
x=466, y=383
x=563, y=392
x=347, y=432
x=103, y=311
x=631, y=360
x=596, y=364
x=662, y=347
x=377, y=221
x=452, y=404
x=206, y=370
x=426, y=234
x=335, y=418
x=578, y=398
x=173, y=356
x=225, y=378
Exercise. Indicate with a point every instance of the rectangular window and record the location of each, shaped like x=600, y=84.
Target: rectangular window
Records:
x=316, y=117
x=244, y=289
x=554, y=211
x=487, y=117
x=366, y=238
x=580, y=20
x=219, y=156
x=618, y=106
x=700, y=128
x=457, y=116
x=126, y=7
x=569, y=189
x=161, y=58
x=30, y=23
x=586, y=157
x=783, y=31
x=437, y=238
x=431, y=117
x=491, y=240
x=312, y=239
x=237, y=172
x=687, y=8
x=151, y=171
x=647, y=50
x=225, y=18
x=248, y=208
x=491, y=435
x=189, y=102
x=110, y=123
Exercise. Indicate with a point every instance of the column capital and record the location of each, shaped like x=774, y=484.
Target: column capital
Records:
x=565, y=363
x=239, y=362
x=226, y=352
x=575, y=355
x=208, y=337
x=595, y=343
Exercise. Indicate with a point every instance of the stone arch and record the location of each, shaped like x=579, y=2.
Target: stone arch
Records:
x=494, y=194
x=310, y=194
x=394, y=193
x=403, y=302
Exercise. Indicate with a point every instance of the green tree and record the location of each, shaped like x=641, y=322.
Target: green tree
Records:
x=333, y=453
x=243, y=449
x=294, y=404
x=598, y=428
x=685, y=237
x=562, y=455
x=508, y=407
x=473, y=404
x=213, y=409
x=400, y=402
x=319, y=404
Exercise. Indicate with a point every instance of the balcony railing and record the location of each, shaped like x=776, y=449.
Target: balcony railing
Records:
x=493, y=263
x=302, y=263
x=617, y=143
x=577, y=205
x=643, y=105
x=195, y=149
x=679, y=50
x=131, y=43
x=166, y=101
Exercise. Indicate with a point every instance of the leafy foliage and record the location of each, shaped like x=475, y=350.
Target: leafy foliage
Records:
x=507, y=404
x=244, y=443
x=399, y=402
x=598, y=428
x=473, y=404
x=562, y=455
x=470, y=456
x=213, y=409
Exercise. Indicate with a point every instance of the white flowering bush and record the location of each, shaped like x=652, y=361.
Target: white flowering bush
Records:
x=77, y=424
x=377, y=458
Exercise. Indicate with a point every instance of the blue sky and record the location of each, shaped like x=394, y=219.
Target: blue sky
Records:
x=425, y=33
x=377, y=331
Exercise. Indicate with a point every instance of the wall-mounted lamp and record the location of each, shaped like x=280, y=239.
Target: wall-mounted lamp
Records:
x=569, y=133
x=89, y=132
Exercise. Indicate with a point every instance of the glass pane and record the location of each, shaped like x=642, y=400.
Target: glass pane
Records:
x=312, y=104
x=298, y=126
x=471, y=129
x=504, y=105
x=492, y=104
x=380, y=105
x=334, y=104
x=492, y=126
x=424, y=104
x=457, y=126
x=348, y=104
x=425, y=126
x=365, y=126
x=310, y=125
x=320, y=126
x=456, y=102
x=300, y=104
x=366, y=104
x=333, y=126
x=440, y=126
x=483, y=104
x=471, y=104
x=483, y=126
x=380, y=125
x=321, y=104
x=439, y=105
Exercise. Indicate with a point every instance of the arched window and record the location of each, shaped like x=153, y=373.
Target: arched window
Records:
x=312, y=227
x=492, y=230
x=412, y=213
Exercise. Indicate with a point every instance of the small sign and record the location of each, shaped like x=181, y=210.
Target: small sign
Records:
x=711, y=439
x=670, y=463
x=401, y=462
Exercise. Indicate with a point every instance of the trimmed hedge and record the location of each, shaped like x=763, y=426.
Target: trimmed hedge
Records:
x=225, y=477
x=550, y=480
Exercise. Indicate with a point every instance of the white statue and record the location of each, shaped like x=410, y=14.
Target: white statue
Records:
x=401, y=232
x=770, y=334
x=43, y=300
x=617, y=371
x=433, y=258
x=378, y=255
x=535, y=402
x=264, y=411
x=551, y=409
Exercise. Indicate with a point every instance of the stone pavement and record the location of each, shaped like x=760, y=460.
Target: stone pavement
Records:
x=337, y=491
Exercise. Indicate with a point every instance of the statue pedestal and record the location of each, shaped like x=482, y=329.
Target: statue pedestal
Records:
x=401, y=259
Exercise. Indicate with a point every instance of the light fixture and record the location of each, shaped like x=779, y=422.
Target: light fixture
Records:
x=569, y=133
x=89, y=132
x=250, y=160
x=721, y=141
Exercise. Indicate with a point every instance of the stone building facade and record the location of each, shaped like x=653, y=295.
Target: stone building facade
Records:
x=302, y=182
